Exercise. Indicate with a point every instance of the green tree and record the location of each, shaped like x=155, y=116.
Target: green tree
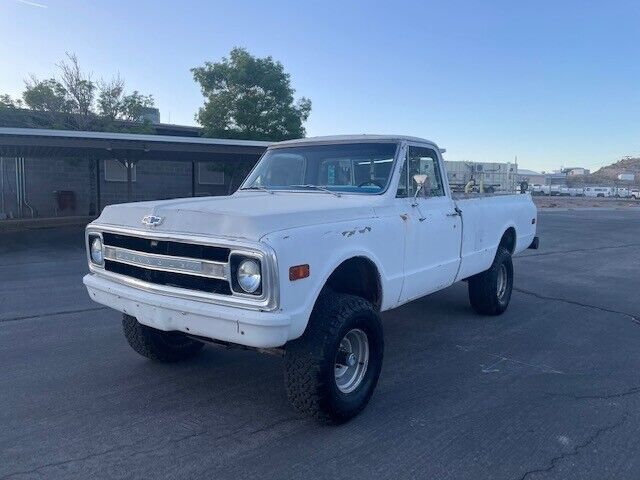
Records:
x=76, y=102
x=46, y=95
x=110, y=98
x=134, y=105
x=249, y=98
x=80, y=87
x=6, y=102
x=113, y=104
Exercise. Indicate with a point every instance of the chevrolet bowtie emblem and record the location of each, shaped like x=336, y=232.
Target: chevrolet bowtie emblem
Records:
x=152, y=220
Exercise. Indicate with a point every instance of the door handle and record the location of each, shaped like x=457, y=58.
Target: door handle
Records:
x=452, y=214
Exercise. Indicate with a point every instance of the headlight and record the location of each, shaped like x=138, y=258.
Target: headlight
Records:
x=96, y=251
x=249, y=275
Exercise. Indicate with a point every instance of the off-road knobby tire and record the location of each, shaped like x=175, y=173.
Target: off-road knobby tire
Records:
x=310, y=359
x=483, y=288
x=158, y=345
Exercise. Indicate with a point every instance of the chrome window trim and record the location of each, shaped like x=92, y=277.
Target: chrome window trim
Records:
x=440, y=160
x=396, y=159
x=267, y=301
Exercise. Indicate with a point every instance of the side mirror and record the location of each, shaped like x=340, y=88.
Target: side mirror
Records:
x=420, y=180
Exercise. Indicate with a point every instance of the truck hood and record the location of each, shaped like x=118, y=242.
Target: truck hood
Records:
x=245, y=215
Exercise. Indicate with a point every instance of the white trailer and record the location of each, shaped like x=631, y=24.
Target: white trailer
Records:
x=492, y=176
x=622, y=192
x=571, y=191
x=599, y=191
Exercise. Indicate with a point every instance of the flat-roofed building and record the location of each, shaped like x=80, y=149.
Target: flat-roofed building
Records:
x=49, y=173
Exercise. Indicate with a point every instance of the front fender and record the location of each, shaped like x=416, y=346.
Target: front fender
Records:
x=324, y=248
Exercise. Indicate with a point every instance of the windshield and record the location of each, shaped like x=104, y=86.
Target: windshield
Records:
x=350, y=168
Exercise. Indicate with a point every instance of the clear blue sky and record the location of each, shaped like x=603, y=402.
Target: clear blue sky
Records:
x=553, y=82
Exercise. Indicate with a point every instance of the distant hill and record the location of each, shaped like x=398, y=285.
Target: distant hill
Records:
x=626, y=165
x=609, y=175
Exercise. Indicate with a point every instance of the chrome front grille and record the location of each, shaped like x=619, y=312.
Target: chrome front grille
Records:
x=152, y=261
x=194, y=267
x=167, y=247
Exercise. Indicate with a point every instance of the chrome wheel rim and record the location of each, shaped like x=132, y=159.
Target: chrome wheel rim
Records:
x=502, y=281
x=352, y=360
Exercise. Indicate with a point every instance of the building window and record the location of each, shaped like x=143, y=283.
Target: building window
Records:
x=114, y=171
x=210, y=173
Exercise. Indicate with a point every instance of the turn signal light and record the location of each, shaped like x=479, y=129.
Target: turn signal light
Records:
x=298, y=271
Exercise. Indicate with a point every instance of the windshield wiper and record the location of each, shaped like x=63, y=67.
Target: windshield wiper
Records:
x=256, y=187
x=317, y=187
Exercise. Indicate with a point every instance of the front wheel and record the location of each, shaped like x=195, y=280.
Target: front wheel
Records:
x=490, y=291
x=333, y=369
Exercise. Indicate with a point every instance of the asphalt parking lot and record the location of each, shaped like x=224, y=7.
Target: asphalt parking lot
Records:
x=550, y=389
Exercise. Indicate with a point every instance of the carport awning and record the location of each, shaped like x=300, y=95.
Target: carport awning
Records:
x=28, y=142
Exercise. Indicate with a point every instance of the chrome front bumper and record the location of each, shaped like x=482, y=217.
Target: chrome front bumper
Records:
x=252, y=328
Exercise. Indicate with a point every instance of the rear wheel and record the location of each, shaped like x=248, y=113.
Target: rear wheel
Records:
x=156, y=344
x=490, y=291
x=332, y=370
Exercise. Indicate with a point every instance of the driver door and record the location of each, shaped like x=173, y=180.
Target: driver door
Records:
x=433, y=233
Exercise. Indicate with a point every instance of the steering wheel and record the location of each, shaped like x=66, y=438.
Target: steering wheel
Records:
x=371, y=182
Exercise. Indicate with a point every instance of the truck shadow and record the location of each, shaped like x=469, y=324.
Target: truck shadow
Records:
x=234, y=382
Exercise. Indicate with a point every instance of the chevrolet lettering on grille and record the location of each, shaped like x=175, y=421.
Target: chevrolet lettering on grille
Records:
x=160, y=262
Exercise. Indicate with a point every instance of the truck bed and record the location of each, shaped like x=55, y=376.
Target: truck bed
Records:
x=484, y=218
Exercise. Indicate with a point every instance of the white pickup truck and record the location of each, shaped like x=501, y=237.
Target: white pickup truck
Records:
x=322, y=236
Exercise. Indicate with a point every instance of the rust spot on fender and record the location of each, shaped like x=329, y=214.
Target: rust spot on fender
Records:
x=350, y=233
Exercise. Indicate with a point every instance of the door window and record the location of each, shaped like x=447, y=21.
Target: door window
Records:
x=421, y=163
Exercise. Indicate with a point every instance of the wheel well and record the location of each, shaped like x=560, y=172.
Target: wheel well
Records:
x=357, y=276
x=508, y=239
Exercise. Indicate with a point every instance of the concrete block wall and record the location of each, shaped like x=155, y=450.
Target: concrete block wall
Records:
x=8, y=188
x=43, y=177
x=159, y=180
x=155, y=180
